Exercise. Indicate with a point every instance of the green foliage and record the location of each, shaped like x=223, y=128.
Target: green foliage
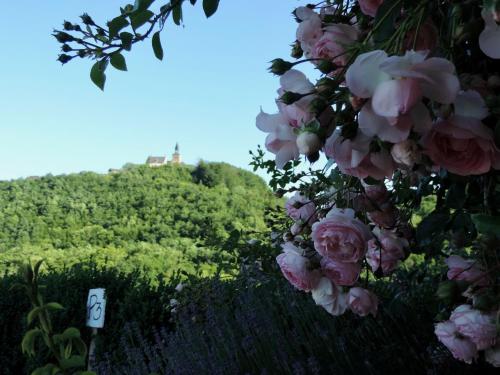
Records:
x=134, y=24
x=66, y=351
x=155, y=219
x=131, y=296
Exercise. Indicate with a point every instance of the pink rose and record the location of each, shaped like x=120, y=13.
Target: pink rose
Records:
x=377, y=193
x=309, y=30
x=461, y=347
x=297, y=269
x=467, y=270
x=462, y=143
x=492, y=355
x=362, y=301
x=475, y=325
x=330, y=297
x=387, y=253
x=370, y=7
x=332, y=45
x=354, y=158
x=397, y=84
x=341, y=273
x=340, y=236
x=299, y=207
x=296, y=114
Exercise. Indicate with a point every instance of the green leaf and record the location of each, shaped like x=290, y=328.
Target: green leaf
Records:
x=118, y=61
x=126, y=38
x=431, y=226
x=157, y=48
x=71, y=333
x=36, y=268
x=210, y=7
x=28, y=343
x=54, y=306
x=116, y=24
x=487, y=224
x=33, y=314
x=142, y=5
x=97, y=74
x=140, y=18
x=385, y=19
x=177, y=14
x=72, y=362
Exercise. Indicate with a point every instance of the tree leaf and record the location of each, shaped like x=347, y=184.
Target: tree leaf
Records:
x=28, y=343
x=140, y=18
x=142, y=5
x=54, y=306
x=97, y=74
x=116, y=24
x=157, y=48
x=487, y=224
x=177, y=14
x=210, y=7
x=126, y=38
x=33, y=314
x=431, y=226
x=72, y=362
x=118, y=61
x=71, y=333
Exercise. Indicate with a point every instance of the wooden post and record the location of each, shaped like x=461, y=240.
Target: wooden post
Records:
x=92, y=349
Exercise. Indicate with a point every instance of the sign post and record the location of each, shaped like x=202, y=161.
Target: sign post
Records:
x=96, y=309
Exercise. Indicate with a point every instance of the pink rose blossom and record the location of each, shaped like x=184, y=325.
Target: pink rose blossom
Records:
x=475, y=325
x=340, y=236
x=297, y=268
x=467, y=270
x=377, y=193
x=397, y=83
x=354, y=158
x=281, y=140
x=489, y=39
x=461, y=347
x=296, y=114
x=387, y=253
x=341, y=273
x=492, y=355
x=309, y=30
x=332, y=45
x=462, y=144
x=370, y=7
x=299, y=207
x=330, y=297
x=362, y=301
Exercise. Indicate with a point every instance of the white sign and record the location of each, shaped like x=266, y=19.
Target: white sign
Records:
x=96, y=308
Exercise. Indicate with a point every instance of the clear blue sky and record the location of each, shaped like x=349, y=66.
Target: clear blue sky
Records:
x=204, y=95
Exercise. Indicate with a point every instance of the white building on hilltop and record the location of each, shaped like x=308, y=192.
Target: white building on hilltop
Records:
x=157, y=161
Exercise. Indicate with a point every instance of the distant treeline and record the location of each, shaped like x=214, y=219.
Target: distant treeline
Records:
x=156, y=218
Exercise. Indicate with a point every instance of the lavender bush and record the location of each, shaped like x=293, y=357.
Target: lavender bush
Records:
x=257, y=324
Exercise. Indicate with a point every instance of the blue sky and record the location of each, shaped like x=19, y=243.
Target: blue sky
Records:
x=204, y=95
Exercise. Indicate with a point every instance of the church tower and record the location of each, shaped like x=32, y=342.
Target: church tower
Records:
x=176, y=156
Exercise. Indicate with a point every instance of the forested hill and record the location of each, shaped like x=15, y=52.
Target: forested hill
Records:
x=172, y=210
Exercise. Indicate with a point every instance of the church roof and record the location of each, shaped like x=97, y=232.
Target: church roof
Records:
x=156, y=159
